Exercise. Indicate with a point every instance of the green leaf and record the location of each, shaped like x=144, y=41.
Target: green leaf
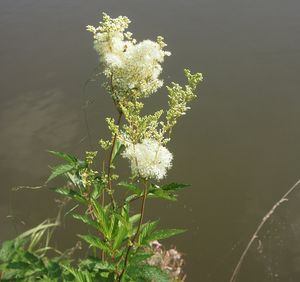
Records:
x=120, y=219
x=78, y=275
x=125, y=213
x=67, y=157
x=134, y=218
x=147, y=272
x=7, y=250
x=131, y=198
x=18, y=265
x=54, y=270
x=31, y=258
x=121, y=236
x=107, y=277
x=87, y=220
x=59, y=170
x=131, y=187
x=95, y=242
x=117, y=150
x=76, y=179
x=93, y=263
x=102, y=218
x=163, y=234
x=70, y=193
x=13, y=275
x=146, y=230
x=174, y=186
x=113, y=226
x=10, y=248
x=161, y=194
x=138, y=258
x=98, y=186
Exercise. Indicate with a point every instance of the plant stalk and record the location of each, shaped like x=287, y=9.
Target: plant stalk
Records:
x=109, y=186
x=136, y=233
x=259, y=227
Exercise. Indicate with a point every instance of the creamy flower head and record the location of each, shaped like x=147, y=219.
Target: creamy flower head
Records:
x=149, y=159
x=135, y=67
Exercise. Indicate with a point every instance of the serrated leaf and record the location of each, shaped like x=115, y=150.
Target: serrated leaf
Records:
x=138, y=258
x=60, y=170
x=93, y=263
x=163, y=234
x=95, y=242
x=161, y=194
x=121, y=220
x=134, y=218
x=146, y=230
x=70, y=193
x=113, y=225
x=87, y=220
x=147, y=272
x=67, y=157
x=102, y=218
x=125, y=212
x=78, y=275
x=174, y=186
x=131, y=187
x=121, y=235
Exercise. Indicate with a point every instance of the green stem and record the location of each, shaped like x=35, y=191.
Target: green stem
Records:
x=136, y=233
x=109, y=186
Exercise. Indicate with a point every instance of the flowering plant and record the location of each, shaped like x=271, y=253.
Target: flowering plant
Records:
x=122, y=243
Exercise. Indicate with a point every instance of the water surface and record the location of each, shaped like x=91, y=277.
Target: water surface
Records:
x=238, y=147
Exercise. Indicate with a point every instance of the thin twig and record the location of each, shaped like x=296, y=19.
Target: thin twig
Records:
x=259, y=227
x=136, y=233
x=109, y=187
x=27, y=187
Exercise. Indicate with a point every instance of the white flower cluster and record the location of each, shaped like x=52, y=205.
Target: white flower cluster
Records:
x=149, y=159
x=134, y=67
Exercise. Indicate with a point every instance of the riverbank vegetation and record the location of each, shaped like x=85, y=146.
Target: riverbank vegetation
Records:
x=123, y=245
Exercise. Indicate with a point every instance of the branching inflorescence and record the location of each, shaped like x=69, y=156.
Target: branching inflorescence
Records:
x=132, y=69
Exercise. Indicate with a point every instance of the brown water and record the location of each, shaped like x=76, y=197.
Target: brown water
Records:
x=239, y=146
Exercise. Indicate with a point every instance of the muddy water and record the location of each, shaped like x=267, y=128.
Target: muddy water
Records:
x=238, y=147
